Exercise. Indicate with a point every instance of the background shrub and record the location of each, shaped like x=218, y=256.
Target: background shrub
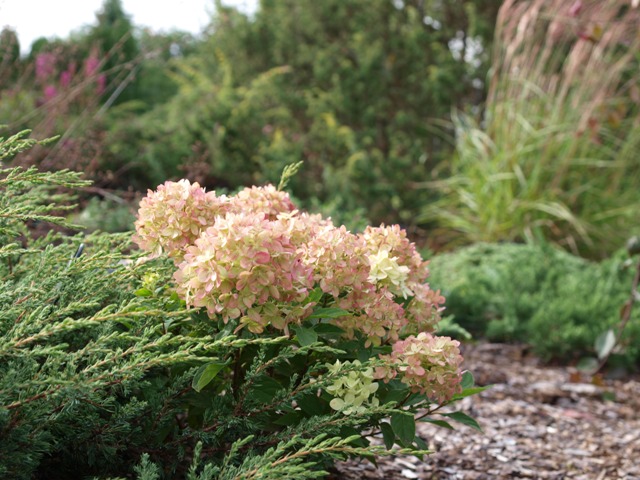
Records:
x=539, y=295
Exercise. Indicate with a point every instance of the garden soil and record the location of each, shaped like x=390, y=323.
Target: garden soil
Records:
x=538, y=422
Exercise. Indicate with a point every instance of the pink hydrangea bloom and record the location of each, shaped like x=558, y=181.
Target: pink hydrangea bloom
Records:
x=427, y=364
x=423, y=311
x=264, y=200
x=339, y=259
x=375, y=313
x=245, y=266
x=173, y=217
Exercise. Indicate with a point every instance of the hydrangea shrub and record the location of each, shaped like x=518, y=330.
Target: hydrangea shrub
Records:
x=350, y=318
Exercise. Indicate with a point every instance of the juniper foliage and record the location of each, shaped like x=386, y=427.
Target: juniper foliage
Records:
x=105, y=374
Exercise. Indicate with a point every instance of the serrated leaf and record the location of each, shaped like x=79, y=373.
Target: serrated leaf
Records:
x=404, y=426
x=330, y=312
x=388, y=436
x=205, y=374
x=604, y=343
x=464, y=419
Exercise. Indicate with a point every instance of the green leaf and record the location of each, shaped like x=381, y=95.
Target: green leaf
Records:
x=312, y=405
x=330, y=312
x=306, y=336
x=328, y=329
x=205, y=374
x=404, y=426
x=464, y=419
x=605, y=343
x=394, y=391
x=587, y=364
x=467, y=392
x=388, y=436
x=422, y=445
x=143, y=292
x=415, y=399
x=440, y=423
x=314, y=296
x=288, y=419
x=358, y=439
x=264, y=389
x=467, y=380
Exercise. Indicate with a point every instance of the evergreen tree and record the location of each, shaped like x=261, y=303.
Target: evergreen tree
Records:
x=114, y=36
x=359, y=90
x=9, y=56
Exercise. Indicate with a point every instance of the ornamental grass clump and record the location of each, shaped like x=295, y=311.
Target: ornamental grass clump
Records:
x=554, y=155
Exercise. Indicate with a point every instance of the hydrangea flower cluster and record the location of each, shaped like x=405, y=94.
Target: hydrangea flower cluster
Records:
x=254, y=259
x=265, y=200
x=339, y=261
x=245, y=266
x=173, y=217
x=427, y=364
x=396, y=264
x=352, y=390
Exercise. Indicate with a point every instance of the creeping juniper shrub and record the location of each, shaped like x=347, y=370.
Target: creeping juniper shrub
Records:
x=555, y=301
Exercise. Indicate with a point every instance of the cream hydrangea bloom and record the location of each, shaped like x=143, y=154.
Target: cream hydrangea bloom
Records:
x=351, y=390
x=386, y=271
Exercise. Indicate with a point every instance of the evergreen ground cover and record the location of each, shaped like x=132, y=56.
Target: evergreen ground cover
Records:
x=556, y=302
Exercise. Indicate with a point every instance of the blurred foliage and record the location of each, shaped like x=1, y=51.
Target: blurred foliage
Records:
x=555, y=154
x=539, y=295
x=113, y=36
x=108, y=215
x=362, y=92
x=354, y=88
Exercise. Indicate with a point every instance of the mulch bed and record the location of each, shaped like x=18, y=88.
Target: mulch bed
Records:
x=538, y=422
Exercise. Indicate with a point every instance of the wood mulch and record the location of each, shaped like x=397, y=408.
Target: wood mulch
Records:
x=538, y=422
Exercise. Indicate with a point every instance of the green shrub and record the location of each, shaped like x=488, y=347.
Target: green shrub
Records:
x=104, y=373
x=108, y=215
x=355, y=94
x=540, y=295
